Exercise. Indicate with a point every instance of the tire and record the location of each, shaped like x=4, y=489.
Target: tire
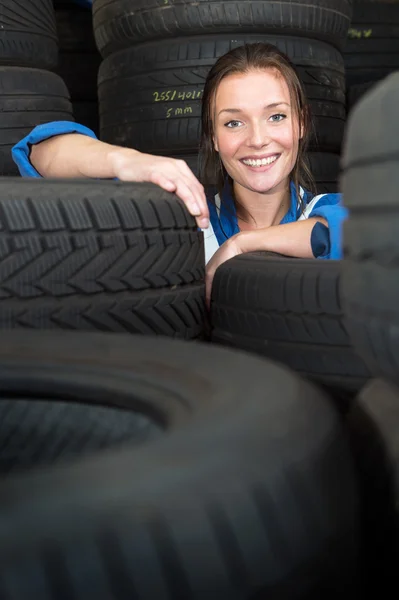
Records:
x=356, y=92
x=79, y=59
x=119, y=24
x=370, y=182
x=373, y=423
x=325, y=168
x=133, y=83
x=86, y=113
x=38, y=433
x=28, y=36
x=243, y=472
x=109, y=256
x=372, y=49
x=28, y=97
x=287, y=310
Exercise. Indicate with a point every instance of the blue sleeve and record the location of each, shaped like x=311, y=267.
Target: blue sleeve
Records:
x=327, y=241
x=21, y=151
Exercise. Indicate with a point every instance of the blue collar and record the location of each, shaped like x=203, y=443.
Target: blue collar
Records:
x=223, y=214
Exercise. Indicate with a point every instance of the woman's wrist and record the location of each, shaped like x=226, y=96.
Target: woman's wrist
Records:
x=252, y=241
x=119, y=158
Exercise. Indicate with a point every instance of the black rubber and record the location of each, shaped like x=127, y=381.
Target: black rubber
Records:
x=150, y=95
x=36, y=433
x=249, y=494
x=79, y=59
x=119, y=24
x=107, y=256
x=372, y=48
x=28, y=97
x=370, y=186
x=373, y=422
x=288, y=310
x=28, y=36
x=325, y=168
x=355, y=92
x=86, y=113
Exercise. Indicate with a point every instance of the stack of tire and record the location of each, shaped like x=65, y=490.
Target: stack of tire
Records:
x=372, y=48
x=30, y=94
x=115, y=257
x=140, y=468
x=103, y=256
x=370, y=291
x=158, y=54
x=78, y=60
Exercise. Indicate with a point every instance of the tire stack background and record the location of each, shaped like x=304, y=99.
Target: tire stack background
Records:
x=78, y=60
x=372, y=48
x=157, y=56
x=30, y=93
x=370, y=298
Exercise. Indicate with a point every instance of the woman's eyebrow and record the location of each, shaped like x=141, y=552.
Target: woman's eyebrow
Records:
x=238, y=110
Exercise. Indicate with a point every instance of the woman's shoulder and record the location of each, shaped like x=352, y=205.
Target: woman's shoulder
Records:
x=311, y=201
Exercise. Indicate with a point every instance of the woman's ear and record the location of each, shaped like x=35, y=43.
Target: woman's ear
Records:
x=215, y=143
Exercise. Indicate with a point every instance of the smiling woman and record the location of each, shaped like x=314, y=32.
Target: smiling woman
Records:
x=256, y=125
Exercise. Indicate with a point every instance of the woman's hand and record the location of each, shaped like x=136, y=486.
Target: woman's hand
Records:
x=290, y=239
x=170, y=174
x=229, y=249
x=77, y=155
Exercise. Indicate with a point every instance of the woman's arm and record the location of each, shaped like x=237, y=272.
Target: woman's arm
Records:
x=66, y=149
x=76, y=155
x=290, y=239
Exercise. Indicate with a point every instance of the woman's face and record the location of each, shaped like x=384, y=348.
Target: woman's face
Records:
x=255, y=130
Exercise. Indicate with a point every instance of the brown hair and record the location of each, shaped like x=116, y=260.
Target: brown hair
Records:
x=243, y=59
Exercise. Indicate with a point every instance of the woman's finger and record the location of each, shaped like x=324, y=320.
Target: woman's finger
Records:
x=196, y=186
x=182, y=190
x=166, y=184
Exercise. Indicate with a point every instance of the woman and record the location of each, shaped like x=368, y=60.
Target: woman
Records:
x=255, y=129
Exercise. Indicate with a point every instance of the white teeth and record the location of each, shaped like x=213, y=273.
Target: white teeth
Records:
x=260, y=162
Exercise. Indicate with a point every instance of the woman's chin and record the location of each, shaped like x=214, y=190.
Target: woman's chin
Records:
x=262, y=185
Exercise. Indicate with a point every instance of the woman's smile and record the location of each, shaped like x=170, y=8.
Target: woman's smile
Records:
x=260, y=164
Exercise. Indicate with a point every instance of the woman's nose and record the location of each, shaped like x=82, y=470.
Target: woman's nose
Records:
x=258, y=135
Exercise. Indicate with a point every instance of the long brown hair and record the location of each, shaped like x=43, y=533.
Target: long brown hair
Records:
x=243, y=59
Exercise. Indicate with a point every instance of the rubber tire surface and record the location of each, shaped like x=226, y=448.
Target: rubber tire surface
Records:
x=150, y=95
x=79, y=59
x=287, y=310
x=37, y=433
x=373, y=422
x=250, y=493
x=355, y=92
x=372, y=49
x=119, y=24
x=370, y=186
x=28, y=35
x=325, y=168
x=28, y=97
x=86, y=113
x=110, y=256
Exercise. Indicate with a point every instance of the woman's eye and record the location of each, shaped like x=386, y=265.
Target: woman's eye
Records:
x=233, y=124
x=277, y=118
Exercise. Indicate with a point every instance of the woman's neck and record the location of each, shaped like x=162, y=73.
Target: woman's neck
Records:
x=258, y=211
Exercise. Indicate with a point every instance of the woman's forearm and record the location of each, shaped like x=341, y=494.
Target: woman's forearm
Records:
x=290, y=239
x=76, y=155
